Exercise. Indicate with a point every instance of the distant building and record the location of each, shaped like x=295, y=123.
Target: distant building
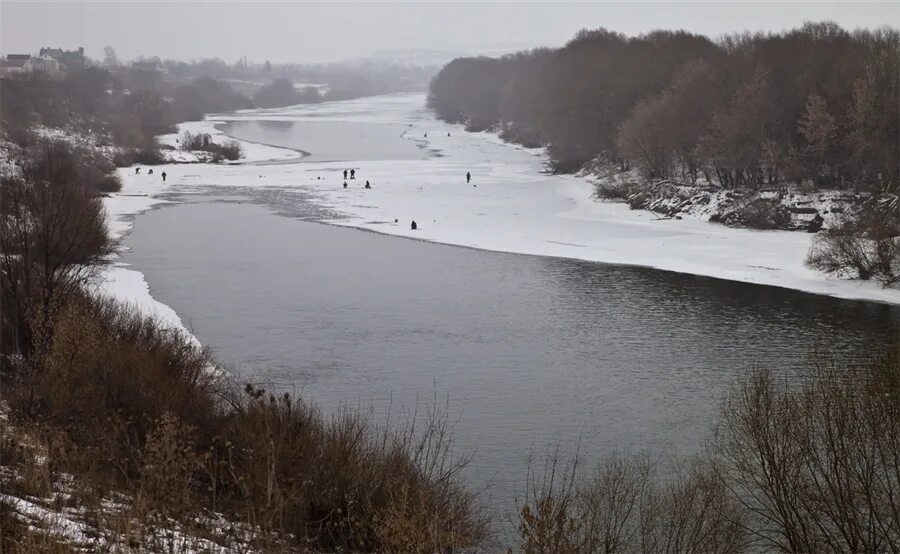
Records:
x=68, y=60
x=44, y=63
x=24, y=63
x=14, y=63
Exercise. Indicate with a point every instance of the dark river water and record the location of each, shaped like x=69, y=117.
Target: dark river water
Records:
x=527, y=351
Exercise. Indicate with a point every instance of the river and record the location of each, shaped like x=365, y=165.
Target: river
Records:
x=525, y=352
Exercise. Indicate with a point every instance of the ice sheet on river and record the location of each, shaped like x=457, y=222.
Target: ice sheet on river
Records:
x=514, y=206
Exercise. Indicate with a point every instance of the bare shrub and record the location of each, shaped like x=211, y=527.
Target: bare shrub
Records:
x=802, y=467
x=169, y=461
x=137, y=410
x=229, y=150
x=341, y=483
x=757, y=213
x=18, y=536
x=691, y=511
x=625, y=506
x=548, y=519
x=52, y=237
x=865, y=247
x=615, y=187
x=814, y=467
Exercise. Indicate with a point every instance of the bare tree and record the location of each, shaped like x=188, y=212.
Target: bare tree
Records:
x=818, y=128
x=52, y=236
x=815, y=467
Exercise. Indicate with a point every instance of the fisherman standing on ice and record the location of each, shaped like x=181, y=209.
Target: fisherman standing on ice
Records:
x=345, y=182
x=345, y=174
x=468, y=177
x=413, y=226
x=367, y=185
x=137, y=171
x=353, y=174
x=164, y=176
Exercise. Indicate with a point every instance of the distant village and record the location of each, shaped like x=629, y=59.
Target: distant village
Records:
x=52, y=61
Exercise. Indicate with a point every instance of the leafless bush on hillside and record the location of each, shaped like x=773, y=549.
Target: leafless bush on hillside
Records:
x=814, y=467
x=625, y=505
x=757, y=213
x=801, y=467
x=615, y=187
x=137, y=410
x=864, y=248
x=52, y=237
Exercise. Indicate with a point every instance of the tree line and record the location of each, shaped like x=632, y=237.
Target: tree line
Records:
x=125, y=107
x=815, y=105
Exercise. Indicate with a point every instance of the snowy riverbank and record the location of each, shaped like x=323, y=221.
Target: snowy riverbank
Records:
x=141, y=192
x=513, y=207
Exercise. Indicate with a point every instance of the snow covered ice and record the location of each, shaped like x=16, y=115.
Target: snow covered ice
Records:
x=515, y=206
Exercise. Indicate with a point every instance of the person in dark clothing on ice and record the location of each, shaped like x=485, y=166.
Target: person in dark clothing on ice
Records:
x=150, y=172
x=164, y=176
x=367, y=185
x=413, y=226
x=137, y=171
x=353, y=174
x=468, y=177
x=345, y=174
x=345, y=184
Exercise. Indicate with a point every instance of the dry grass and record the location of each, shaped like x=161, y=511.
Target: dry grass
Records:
x=126, y=406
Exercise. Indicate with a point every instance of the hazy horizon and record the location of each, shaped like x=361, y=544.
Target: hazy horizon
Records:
x=318, y=32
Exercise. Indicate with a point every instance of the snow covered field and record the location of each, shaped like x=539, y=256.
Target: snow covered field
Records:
x=511, y=205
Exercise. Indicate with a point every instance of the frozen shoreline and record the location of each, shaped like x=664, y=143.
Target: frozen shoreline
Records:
x=515, y=207
x=143, y=192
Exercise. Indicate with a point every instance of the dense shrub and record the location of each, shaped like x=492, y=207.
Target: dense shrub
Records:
x=229, y=150
x=281, y=92
x=757, y=213
x=863, y=246
x=204, y=95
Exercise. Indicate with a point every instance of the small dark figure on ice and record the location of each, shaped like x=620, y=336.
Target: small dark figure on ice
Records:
x=345, y=174
x=164, y=176
x=345, y=184
x=353, y=174
x=367, y=185
x=468, y=177
x=137, y=171
x=150, y=172
x=413, y=226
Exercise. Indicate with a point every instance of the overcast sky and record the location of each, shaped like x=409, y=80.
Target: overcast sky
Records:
x=314, y=32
